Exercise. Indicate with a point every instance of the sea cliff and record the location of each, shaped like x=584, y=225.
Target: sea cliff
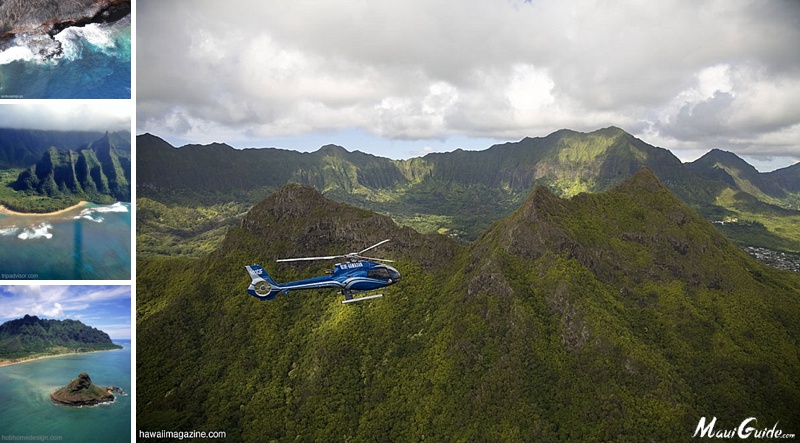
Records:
x=38, y=21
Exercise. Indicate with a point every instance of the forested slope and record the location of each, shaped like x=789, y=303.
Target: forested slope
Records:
x=617, y=316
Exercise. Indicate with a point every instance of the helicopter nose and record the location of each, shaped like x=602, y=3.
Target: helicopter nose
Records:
x=393, y=274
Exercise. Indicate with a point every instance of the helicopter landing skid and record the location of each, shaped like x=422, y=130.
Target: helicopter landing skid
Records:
x=349, y=298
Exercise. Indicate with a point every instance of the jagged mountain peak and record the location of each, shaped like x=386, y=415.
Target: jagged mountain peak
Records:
x=718, y=156
x=639, y=214
x=332, y=150
x=736, y=172
x=215, y=146
x=292, y=200
x=643, y=180
x=298, y=221
x=147, y=140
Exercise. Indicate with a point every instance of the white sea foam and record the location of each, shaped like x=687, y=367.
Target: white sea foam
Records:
x=91, y=217
x=41, y=231
x=15, y=53
x=98, y=35
x=116, y=207
x=28, y=47
x=71, y=48
x=93, y=214
x=8, y=231
x=67, y=44
x=73, y=39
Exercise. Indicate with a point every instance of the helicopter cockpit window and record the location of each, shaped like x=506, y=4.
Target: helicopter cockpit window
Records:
x=378, y=273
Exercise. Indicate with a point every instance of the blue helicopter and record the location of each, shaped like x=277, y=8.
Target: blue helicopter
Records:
x=355, y=276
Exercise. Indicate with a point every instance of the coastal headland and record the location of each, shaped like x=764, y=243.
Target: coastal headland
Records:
x=30, y=338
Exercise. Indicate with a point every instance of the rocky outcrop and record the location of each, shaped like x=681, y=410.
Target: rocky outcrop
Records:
x=82, y=392
x=45, y=16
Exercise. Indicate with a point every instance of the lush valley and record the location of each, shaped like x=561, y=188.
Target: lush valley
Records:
x=622, y=315
x=31, y=337
x=194, y=193
x=97, y=171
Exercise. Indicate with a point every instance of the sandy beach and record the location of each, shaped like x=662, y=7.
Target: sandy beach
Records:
x=5, y=210
x=9, y=362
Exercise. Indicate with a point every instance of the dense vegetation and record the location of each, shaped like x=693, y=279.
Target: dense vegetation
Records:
x=198, y=191
x=31, y=336
x=20, y=148
x=99, y=171
x=619, y=316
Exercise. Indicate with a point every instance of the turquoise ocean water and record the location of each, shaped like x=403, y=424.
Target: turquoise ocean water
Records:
x=26, y=408
x=93, y=242
x=95, y=63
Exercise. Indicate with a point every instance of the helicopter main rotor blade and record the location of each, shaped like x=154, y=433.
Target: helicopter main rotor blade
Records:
x=377, y=259
x=330, y=257
x=351, y=256
x=373, y=246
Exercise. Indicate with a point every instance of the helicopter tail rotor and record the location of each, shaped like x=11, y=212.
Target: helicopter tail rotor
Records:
x=262, y=286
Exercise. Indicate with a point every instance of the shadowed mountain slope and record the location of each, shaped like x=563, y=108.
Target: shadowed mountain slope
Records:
x=459, y=193
x=98, y=171
x=20, y=148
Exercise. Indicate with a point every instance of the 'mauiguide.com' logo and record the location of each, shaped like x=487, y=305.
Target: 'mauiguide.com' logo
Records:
x=748, y=428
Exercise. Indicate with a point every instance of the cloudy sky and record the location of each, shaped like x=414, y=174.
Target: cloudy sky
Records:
x=107, y=308
x=401, y=79
x=67, y=115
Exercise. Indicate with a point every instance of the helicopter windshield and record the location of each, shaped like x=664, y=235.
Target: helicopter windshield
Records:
x=378, y=273
x=384, y=273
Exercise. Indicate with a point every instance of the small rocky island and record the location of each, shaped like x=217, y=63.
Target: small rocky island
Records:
x=82, y=392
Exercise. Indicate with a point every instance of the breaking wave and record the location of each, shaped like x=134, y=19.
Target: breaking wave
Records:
x=93, y=61
x=16, y=53
x=8, y=231
x=68, y=44
x=75, y=40
x=40, y=231
x=94, y=214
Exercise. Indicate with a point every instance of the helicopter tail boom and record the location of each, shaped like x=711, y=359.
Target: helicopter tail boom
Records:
x=262, y=286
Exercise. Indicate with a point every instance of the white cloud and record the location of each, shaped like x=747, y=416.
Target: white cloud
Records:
x=722, y=71
x=100, y=115
x=64, y=301
x=53, y=311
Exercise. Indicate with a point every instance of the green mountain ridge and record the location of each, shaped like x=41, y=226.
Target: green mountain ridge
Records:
x=739, y=174
x=460, y=193
x=20, y=148
x=97, y=171
x=617, y=316
x=32, y=336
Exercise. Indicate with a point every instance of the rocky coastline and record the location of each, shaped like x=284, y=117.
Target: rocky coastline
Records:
x=36, y=23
